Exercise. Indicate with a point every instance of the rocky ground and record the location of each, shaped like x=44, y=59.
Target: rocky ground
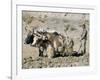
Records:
x=44, y=62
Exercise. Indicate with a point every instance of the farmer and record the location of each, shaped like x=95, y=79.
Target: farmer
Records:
x=83, y=39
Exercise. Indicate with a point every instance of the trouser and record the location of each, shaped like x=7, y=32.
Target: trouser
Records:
x=83, y=46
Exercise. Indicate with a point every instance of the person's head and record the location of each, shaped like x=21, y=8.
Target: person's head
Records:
x=84, y=26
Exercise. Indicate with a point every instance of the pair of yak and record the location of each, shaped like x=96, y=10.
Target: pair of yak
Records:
x=50, y=44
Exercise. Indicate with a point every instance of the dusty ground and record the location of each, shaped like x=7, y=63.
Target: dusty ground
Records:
x=58, y=22
x=70, y=61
